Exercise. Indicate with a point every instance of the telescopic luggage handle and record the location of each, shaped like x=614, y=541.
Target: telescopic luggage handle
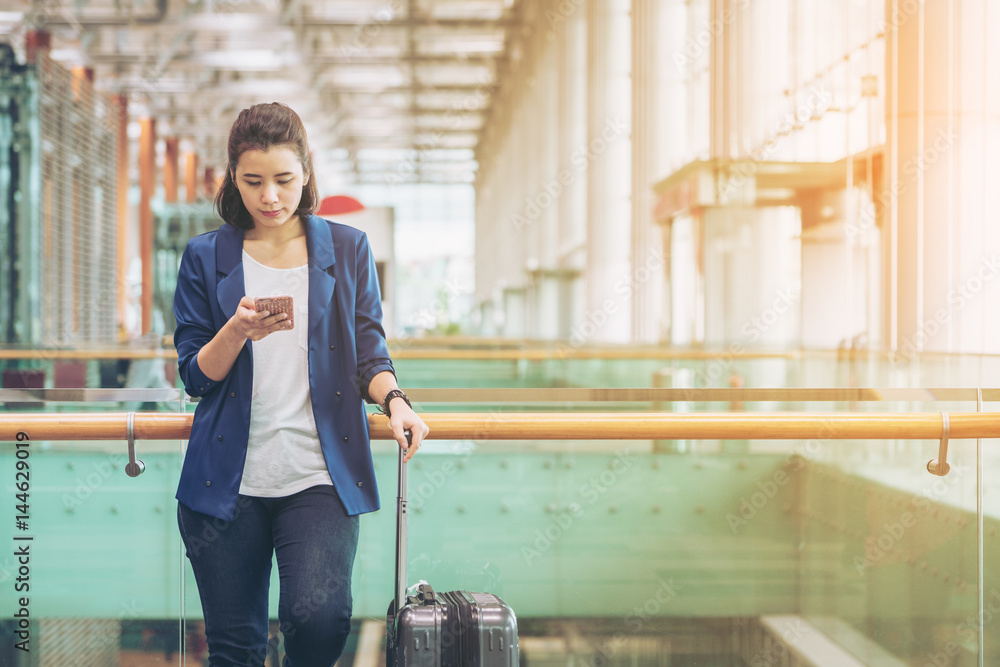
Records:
x=400, y=593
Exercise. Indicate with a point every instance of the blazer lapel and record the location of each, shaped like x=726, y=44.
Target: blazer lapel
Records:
x=321, y=261
x=229, y=263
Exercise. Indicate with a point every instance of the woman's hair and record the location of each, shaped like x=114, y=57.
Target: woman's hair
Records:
x=262, y=127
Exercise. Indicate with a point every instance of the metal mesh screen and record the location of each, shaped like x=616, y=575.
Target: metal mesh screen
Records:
x=81, y=642
x=77, y=209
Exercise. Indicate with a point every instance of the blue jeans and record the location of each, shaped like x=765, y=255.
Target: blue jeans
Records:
x=314, y=542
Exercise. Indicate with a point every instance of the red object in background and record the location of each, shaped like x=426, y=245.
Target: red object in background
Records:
x=69, y=374
x=15, y=378
x=35, y=42
x=338, y=205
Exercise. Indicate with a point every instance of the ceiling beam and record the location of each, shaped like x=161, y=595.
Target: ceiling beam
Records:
x=418, y=88
x=196, y=57
x=359, y=58
x=312, y=21
x=193, y=64
x=388, y=111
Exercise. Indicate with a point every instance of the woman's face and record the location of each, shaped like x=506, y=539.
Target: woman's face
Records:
x=270, y=183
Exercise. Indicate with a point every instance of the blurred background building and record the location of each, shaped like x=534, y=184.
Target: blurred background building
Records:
x=579, y=194
x=683, y=164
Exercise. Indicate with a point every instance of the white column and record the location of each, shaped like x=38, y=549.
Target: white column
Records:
x=549, y=189
x=751, y=259
x=722, y=87
x=573, y=211
x=607, y=317
x=658, y=32
x=943, y=126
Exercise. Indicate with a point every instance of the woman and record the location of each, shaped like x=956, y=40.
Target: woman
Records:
x=279, y=459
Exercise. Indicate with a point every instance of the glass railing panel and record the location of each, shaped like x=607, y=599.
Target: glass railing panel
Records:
x=771, y=547
x=701, y=551
x=92, y=568
x=893, y=562
x=614, y=367
x=540, y=364
x=661, y=538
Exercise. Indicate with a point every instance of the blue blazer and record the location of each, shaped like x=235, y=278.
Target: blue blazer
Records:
x=347, y=348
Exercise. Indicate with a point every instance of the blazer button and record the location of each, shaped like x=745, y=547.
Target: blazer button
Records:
x=232, y=394
x=333, y=347
x=345, y=438
x=219, y=438
x=359, y=484
x=201, y=389
x=338, y=393
x=208, y=484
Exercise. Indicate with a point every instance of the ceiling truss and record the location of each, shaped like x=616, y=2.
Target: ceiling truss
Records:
x=390, y=90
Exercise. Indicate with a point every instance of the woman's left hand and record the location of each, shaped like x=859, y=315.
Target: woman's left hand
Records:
x=405, y=419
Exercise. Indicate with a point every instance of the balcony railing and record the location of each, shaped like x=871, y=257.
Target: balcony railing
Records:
x=559, y=426
x=722, y=528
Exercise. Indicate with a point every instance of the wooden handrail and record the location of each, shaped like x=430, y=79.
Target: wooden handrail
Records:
x=419, y=350
x=87, y=355
x=417, y=353
x=537, y=397
x=556, y=426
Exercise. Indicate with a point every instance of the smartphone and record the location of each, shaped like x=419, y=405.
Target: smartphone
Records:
x=275, y=305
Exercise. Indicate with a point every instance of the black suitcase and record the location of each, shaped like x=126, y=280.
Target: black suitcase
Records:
x=454, y=629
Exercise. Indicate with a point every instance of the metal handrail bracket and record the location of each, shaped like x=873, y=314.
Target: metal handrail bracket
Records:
x=939, y=466
x=133, y=468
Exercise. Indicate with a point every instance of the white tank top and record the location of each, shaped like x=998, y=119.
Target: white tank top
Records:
x=283, y=453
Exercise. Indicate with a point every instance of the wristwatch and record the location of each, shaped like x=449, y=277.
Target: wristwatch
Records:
x=393, y=393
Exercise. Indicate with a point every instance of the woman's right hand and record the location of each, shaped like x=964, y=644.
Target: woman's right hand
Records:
x=248, y=323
